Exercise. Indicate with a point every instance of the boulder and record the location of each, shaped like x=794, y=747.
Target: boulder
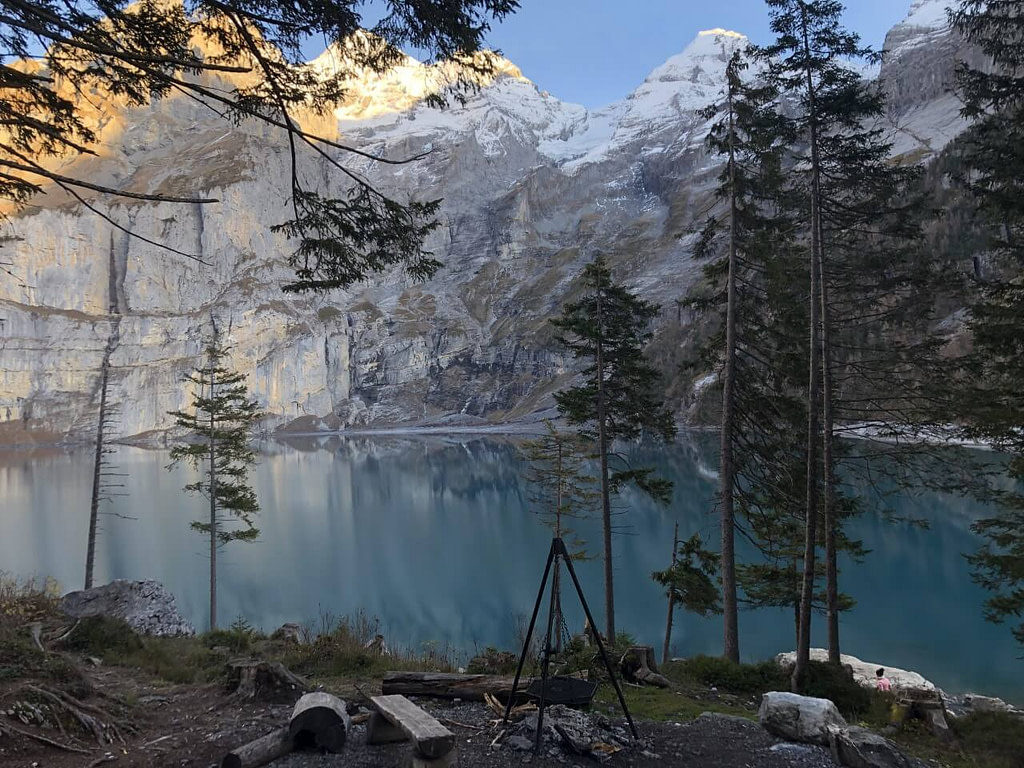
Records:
x=799, y=718
x=861, y=748
x=289, y=633
x=146, y=606
x=974, y=702
x=864, y=671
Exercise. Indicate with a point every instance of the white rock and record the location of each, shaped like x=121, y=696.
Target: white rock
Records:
x=798, y=718
x=864, y=671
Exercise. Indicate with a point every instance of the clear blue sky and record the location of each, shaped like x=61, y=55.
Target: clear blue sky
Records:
x=594, y=52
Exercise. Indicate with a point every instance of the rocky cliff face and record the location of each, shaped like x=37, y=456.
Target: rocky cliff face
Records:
x=918, y=75
x=532, y=188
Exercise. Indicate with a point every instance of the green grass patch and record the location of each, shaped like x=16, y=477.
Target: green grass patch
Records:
x=716, y=672
x=103, y=637
x=174, y=660
x=660, y=704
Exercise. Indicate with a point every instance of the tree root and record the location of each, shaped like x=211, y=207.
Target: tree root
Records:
x=7, y=727
x=103, y=726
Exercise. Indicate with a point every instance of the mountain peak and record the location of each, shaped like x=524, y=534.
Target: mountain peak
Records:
x=703, y=60
x=929, y=14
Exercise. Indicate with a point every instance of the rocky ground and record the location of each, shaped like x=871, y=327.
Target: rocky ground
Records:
x=194, y=726
x=710, y=741
x=81, y=693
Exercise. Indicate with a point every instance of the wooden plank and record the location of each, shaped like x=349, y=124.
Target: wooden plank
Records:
x=451, y=686
x=431, y=738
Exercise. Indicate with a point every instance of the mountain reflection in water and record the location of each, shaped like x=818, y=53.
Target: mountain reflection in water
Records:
x=434, y=537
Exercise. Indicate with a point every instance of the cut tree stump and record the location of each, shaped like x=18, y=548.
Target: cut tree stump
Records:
x=638, y=666
x=320, y=720
x=260, y=752
x=451, y=686
x=398, y=719
x=264, y=680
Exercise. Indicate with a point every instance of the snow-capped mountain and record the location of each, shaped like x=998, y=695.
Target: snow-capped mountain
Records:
x=532, y=187
x=918, y=75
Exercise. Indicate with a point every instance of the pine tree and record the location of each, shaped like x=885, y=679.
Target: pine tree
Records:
x=867, y=277
x=562, y=493
x=221, y=420
x=992, y=152
x=747, y=134
x=618, y=400
x=691, y=580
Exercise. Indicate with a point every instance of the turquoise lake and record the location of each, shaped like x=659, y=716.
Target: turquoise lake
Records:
x=434, y=537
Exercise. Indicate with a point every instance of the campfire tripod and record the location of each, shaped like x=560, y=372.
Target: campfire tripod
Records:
x=558, y=551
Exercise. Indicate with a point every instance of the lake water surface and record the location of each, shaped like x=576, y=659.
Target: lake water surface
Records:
x=434, y=537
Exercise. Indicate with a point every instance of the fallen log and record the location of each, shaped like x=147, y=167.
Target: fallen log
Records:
x=260, y=752
x=452, y=686
x=319, y=720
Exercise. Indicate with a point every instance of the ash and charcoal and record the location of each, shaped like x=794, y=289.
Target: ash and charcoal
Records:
x=569, y=732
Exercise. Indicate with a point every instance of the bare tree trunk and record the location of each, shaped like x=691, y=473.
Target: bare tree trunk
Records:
x=213, y=510
x=671, y=600
x=94, y=511
x=828, y=438
x=606, y=503
x=556, y=585
x=730, y=611
x=803, y=650
x=97, y=476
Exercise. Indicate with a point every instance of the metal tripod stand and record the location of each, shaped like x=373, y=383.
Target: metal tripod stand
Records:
x=558, y=551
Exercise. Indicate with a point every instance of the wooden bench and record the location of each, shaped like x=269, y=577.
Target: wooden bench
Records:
x=398, y=719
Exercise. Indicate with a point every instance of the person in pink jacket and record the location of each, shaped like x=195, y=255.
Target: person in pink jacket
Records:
x=881, y=681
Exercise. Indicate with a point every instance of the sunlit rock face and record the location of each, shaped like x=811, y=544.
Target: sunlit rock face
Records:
x=533, y=187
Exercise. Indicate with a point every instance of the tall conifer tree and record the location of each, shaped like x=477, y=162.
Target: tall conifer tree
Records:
x=747, y=134
x=618, y=400
x=862, y=228
x=993, y=153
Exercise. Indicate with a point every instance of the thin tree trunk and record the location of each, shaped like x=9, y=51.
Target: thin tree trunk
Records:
x=94, y=511
x=606, y=504
x=730, y=612
x=671, y=600
x=97, y=476
x=556, y=591
x=803, y=650
x=828, y=500
x=213, y=509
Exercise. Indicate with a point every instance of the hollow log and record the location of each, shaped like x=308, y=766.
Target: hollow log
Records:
x=320, y=720
x=264, y=750
x=452, y=686
x=638, y=666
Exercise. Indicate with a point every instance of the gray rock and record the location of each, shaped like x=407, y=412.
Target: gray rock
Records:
x=146, y=606
x=974, y=702
x=520, y=743
x=799, y=718
x=291, y=633
x=861, y=748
